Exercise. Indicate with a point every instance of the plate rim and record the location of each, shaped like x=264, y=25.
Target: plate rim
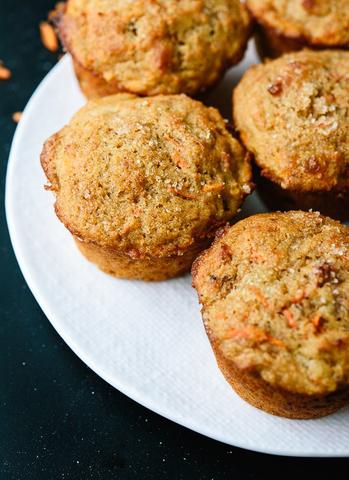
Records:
x=71, y=343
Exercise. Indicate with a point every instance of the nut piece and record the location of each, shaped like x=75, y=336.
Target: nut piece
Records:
x=48, y=36
x=5, y=73
x=16, y=116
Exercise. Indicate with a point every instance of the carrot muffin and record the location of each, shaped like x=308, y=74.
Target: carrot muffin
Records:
x=142, y=183
x=289, y=25
x=293, y=115
x=274, y=290
x=151, y=47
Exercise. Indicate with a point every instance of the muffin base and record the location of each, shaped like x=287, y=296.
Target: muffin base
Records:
x=150, y=269
x=92, y=85
x=331, y=204
x=264, y=396
x=272, y=44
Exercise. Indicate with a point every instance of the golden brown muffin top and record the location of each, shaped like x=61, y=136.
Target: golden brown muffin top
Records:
x=146, y=176
x=318, y=22
x=156, y=46
x=275, y=295
x=293, y=114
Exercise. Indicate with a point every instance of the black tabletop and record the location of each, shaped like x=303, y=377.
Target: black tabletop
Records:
x=57, y=418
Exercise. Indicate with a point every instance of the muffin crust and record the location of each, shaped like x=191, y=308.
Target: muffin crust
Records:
x=308, y=22
x=150, y=47
x=145, y=178
x=274, y=290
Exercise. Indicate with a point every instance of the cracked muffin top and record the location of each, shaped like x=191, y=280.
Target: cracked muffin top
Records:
x=318, y=22
x=146, y=176
x=293, y=115
x=274, y=289
x=150, y=47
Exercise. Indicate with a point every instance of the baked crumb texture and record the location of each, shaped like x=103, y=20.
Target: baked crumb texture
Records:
x=293, y=115
x=143, y=183
x=150, y=47
x=274, y=294
x=289, y=25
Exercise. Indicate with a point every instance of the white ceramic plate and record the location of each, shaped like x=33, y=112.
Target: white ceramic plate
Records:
x=147, y=340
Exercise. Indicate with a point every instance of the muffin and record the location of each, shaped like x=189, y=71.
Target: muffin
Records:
x=289, y=25
x=152, y=47
x=274, y=294
x=293, y=115
x=143, y=183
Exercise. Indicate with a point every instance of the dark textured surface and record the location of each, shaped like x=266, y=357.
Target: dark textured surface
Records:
x=57, y=418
